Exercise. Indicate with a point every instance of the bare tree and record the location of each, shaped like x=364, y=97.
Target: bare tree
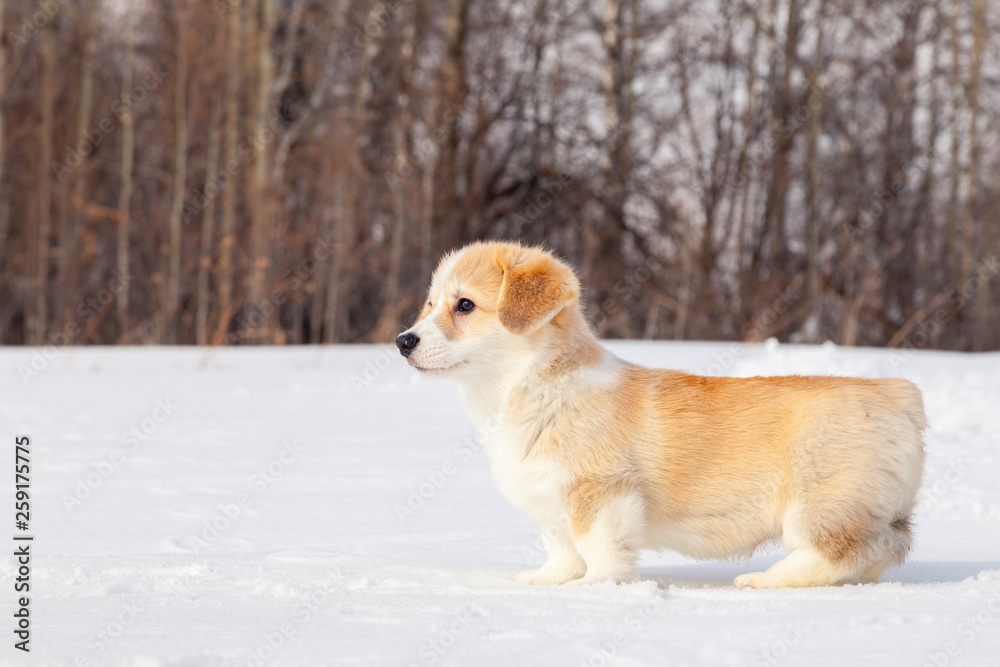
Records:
x=978, y=306
x=4, y=219
x=335, y=324
x=258, y=185
x=699, y=162
x=207, y=232
x=125, y=177
x=813, y=191
x=227, y=240
x=70, y=222
x=168, y=316
x=47, y=129
x=783, y=131
x=957, y=103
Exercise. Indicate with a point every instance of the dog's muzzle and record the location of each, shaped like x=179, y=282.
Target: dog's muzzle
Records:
x=406, y=342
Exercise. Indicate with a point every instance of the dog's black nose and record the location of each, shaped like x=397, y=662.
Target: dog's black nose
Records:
x=406, y=342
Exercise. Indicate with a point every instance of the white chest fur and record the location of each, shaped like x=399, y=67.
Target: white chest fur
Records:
x=532, y=482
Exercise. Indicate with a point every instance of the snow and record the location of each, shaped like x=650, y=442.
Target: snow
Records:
x=305, y=460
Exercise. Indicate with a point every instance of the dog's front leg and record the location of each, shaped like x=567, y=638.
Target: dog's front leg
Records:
x=562, y=563
x=608, y=539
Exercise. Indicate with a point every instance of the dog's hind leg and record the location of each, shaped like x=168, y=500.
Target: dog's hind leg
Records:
x=833, y=554
x=803, y=567
x=811, y=561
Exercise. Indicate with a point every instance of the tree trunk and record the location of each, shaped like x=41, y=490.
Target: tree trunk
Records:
x=125, y=175
x=957, y=105
x=70, y=222
x=742, y=171
x=322, y=282
x=813, y=222
x=260, y=233
x=446, y=210
x=616, y=90
x=927, y=220
x=207, y=232
x=617, y=110
x=227, y=240
x=40, y=322
x=170, y=315
x=977, y=308
x=402, y=211
x=687, y=277
x=4, y=201
x=3, y=146
x=782, y=136
x=336, y=327
x=898, y=151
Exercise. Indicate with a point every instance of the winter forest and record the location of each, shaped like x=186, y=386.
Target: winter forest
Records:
x=289, y=171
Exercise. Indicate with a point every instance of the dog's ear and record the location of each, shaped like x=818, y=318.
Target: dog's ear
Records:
x=533, y=291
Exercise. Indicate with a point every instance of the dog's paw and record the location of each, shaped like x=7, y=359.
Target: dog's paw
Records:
x=541, y=577
x=752, y=580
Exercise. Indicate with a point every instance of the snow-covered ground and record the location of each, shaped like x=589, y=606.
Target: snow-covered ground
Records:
x=319, y=506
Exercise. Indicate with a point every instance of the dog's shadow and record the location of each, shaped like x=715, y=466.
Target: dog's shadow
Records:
x=714, y=575
x=939, y=571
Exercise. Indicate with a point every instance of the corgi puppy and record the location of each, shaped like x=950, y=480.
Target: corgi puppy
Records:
x=610, y=457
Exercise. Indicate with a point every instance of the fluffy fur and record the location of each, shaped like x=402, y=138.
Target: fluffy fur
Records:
x=610, y=457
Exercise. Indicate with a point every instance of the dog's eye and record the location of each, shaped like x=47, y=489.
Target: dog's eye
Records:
x=465, y=306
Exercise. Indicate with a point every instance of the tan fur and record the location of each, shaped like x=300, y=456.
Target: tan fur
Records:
x=613, y=457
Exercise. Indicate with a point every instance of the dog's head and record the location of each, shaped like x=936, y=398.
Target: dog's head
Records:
x=488, y=304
